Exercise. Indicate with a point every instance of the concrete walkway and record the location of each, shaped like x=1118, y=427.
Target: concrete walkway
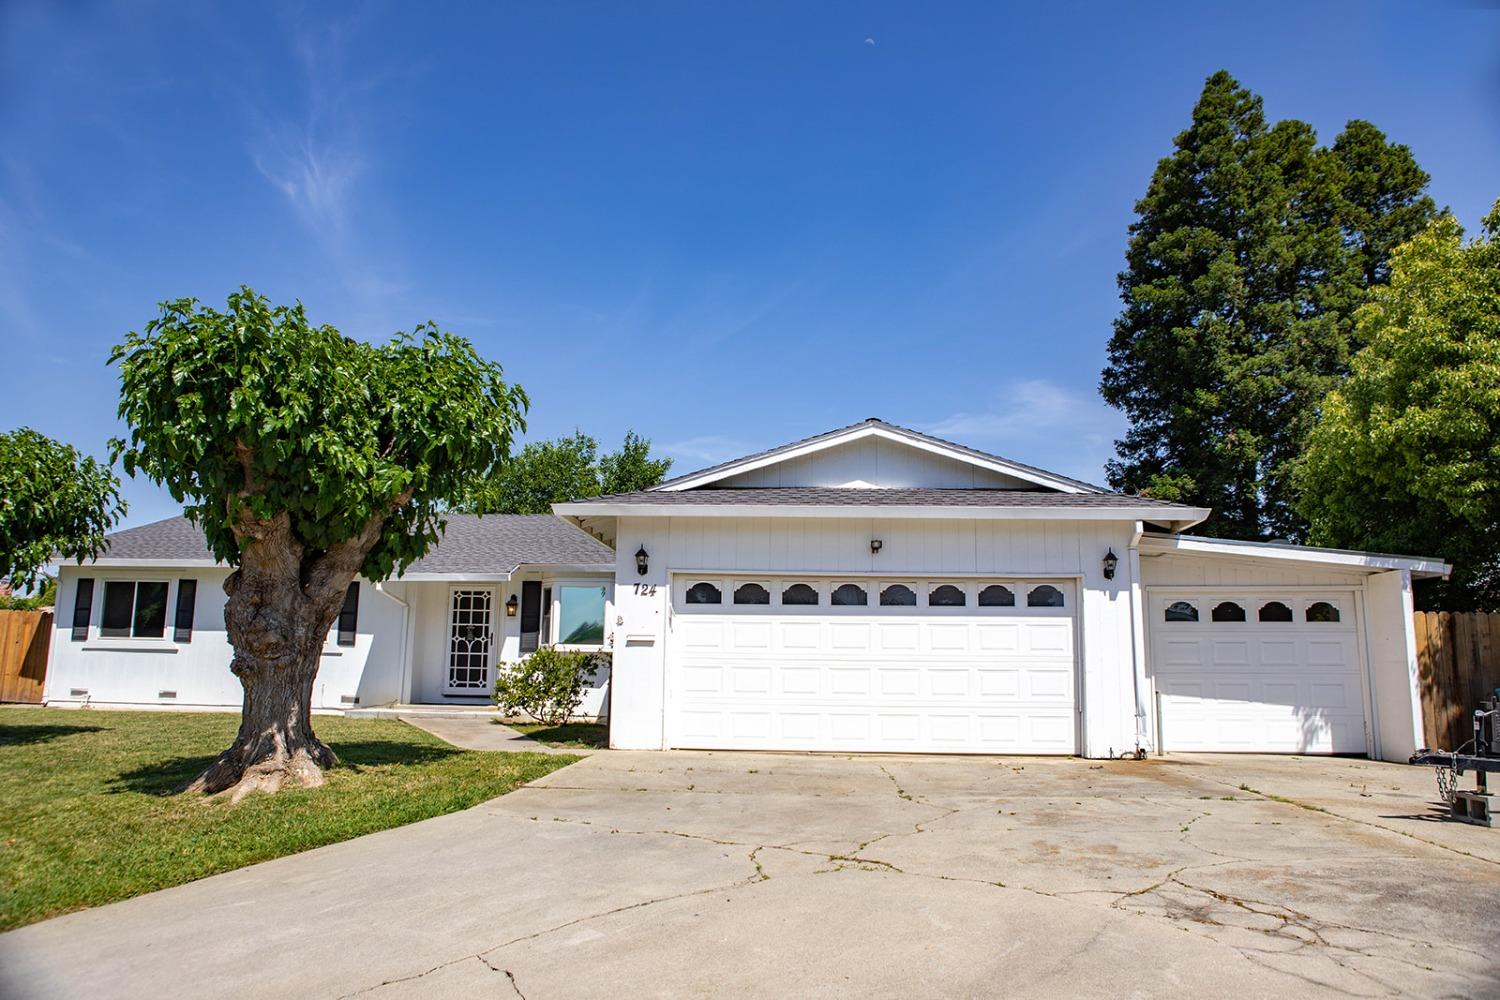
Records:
x=760, y=875
x=483, y=732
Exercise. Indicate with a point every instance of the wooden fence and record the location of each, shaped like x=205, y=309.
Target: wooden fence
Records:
x=1458, y=661
x=25, y=637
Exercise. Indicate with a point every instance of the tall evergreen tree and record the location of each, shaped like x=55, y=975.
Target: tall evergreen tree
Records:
x=1250, y=251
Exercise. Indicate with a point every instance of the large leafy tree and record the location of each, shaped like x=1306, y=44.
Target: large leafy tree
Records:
x=569, y=468
x=1250, y=252
x=307, y=457
x=1406, y=454
x=54, y=502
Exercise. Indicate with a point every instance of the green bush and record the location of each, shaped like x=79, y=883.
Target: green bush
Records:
x=547, y=685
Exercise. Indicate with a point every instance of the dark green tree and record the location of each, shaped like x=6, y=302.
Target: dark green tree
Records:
x=1406, y=454
x=568, y=468
x=1250, y=252
x=632, y=467
x=306, y=457
x=54, y=503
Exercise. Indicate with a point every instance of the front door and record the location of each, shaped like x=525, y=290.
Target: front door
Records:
x=471, y=642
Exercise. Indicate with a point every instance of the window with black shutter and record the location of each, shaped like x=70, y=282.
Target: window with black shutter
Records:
x=348, y=623
x=187, y=599
x=531, y=614
x=83, y=606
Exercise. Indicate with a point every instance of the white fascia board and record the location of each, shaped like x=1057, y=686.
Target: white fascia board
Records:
x=501, y=576
x=1185, y=518
x=495, y=577
x=1374, y=561
x=108, y=563
x=856, y=434
x=551, y=569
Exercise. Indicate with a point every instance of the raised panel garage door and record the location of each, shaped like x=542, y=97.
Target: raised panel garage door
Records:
x=900, y=664
x=1258, y=671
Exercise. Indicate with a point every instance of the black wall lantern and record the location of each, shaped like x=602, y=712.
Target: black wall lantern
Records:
x=511, y=605
x=640, y=560
x=1110, y=562
x=875, y=546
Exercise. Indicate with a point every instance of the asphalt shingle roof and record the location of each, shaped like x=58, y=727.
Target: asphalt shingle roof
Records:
x=897, y=428
x=898, y=497
x=498, y=542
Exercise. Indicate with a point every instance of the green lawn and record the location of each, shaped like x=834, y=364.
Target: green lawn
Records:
x=88, y=814
x=590, y=735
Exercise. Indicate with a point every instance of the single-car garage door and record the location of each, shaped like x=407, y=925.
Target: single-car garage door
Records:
x=1257, y=671
x=891, y=664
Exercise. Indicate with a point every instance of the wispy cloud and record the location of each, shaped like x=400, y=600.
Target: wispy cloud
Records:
x=319, y=158
x=1042, y=423
x=704, y=450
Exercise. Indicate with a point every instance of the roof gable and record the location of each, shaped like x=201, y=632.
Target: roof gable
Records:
x=877, y=454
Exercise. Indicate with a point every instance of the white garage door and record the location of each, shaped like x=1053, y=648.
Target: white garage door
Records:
x=1257, y=671
x=891, y=664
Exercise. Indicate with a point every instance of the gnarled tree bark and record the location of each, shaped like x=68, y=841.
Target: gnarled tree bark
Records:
x=281, y=605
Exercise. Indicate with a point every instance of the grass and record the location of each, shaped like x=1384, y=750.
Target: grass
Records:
x=588, y=735
x=90, y=815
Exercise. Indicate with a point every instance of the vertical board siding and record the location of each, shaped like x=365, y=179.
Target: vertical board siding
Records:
x=24, y=640
x=874, y=462
x=1458, y=664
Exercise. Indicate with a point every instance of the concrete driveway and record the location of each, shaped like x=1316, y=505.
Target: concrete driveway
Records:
x=696, y=874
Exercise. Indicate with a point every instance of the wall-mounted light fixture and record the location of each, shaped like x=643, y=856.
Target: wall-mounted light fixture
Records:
x=511, y=606
x=1110, y=562
x=640, y=560
x=875, y=546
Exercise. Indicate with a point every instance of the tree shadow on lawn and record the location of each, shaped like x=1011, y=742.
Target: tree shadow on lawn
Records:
x=16, y=736
x=170, y=775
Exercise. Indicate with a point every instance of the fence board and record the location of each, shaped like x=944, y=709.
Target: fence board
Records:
x=24, y=640
x=1458, y=662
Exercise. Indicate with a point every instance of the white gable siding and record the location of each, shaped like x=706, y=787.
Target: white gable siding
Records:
x=875, y=462
x=748, y=546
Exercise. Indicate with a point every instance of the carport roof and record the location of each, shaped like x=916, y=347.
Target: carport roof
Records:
x=471, y=546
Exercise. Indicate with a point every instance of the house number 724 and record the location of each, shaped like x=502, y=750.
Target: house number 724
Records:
x=645, y=590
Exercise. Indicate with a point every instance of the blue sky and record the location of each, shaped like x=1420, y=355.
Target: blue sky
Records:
x=723, y=226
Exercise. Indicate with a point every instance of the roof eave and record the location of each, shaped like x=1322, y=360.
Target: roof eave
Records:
x=1175, y=519
x=1418, y=566
x=120, y=562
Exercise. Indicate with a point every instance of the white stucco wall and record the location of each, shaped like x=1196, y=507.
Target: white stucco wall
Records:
x=936, y=547
x=129, y=671
x=430, y=606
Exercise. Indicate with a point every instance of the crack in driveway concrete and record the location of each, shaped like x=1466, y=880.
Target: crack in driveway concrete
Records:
x=699, y=874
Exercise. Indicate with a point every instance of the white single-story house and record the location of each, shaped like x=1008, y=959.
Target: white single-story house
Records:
x=871, y=589
x=143, y=624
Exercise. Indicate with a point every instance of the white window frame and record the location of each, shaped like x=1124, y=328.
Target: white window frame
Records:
x=557, y=584
x=96, y=614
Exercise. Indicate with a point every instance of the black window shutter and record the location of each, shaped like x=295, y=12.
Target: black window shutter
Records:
x=83, y=603
x=349, y=616
x=187, y=601
x=531, y=614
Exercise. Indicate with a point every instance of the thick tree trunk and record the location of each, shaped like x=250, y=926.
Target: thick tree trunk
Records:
x=283, y=599
x=277, y=624
x=276, y=745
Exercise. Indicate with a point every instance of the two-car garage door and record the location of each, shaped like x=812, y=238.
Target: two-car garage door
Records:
x=1257, y=671
x=889, y=664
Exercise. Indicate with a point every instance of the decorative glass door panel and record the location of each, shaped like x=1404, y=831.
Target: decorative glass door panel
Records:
x=471, y=640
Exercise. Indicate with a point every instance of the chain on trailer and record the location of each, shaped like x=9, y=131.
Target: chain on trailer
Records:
x=1484, y=758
